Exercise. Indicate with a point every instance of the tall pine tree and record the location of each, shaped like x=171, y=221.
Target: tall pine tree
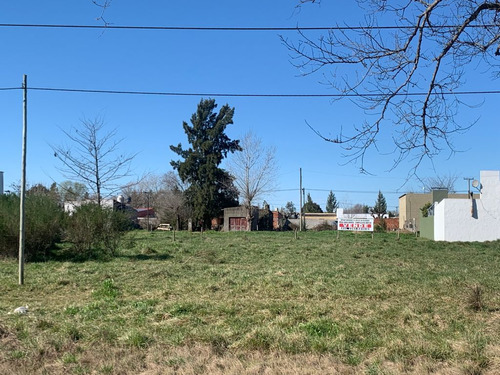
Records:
x=331, y=202
x=210, y=187
x=380, y=207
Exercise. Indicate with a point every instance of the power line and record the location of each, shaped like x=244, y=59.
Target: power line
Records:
x=356, y=191
x=345, y=191
x=216, y=28
x=248, y=95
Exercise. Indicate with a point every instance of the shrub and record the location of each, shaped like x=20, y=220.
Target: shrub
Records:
x=475, y=298
x=94, y=230
x=324, y=226
x=9, y=224
x=381, y=226
x=425, y=209
x=43, y=225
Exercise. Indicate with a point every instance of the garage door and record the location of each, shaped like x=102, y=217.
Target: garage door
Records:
x=237, y=223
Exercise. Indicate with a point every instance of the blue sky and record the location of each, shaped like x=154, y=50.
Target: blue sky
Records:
x=204, y=62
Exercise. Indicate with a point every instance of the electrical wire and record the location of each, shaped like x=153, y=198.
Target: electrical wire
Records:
x=246, y=95
x=217, y=28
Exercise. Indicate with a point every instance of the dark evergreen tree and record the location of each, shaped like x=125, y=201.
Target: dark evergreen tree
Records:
x=210, y=187
x=310, y=206
x=380, y=207
x=331, y=202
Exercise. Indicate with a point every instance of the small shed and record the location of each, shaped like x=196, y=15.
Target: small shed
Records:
x=235, y=218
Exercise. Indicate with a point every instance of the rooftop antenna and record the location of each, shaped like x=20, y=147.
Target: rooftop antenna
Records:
x=469, y=179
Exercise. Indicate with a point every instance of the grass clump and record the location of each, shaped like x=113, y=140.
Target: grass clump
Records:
x=475, y=298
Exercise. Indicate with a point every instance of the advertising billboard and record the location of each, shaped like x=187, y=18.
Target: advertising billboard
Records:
x=356, y=224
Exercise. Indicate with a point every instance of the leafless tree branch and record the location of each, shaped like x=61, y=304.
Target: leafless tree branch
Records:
x=429, y=53
x=104, y=5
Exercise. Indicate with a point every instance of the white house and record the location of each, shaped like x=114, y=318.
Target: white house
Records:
x=471, y=219
x=71, y=206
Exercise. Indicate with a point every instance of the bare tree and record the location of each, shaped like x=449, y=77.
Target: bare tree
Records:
x=441, y=182
x=254, y=171
x=407, y=74
x=165, y=194
x=174, y=200
x=92, y=158
x=358, y=208
x=146, y=187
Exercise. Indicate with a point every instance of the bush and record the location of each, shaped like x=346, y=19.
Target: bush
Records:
x=9, y=225
x=324, y=226
x=43, y=225
x=381, y=226
x=94, y=230
x=425, y=209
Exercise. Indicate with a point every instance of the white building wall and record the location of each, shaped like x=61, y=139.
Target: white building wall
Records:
x=471, y=220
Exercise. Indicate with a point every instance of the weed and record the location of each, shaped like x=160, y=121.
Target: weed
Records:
x=175, y=362
x=148, y=251
x=69, y=358
x=74, y=333
x=71, y=310
x=373, y=369
x=475, y=298
x=321, y=328
x=219, y=344
x=107, y=290
x=137, y=340
x=43, y=324
x=107, y=369
x=17, y=354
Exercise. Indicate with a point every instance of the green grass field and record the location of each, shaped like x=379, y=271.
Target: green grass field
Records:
x=258, y=303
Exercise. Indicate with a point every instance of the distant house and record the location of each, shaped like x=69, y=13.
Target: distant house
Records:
x=472, y=219
x=146, y=218
x=411, y=203
x=71, y=206
x=116, y=204
x=278, y=220
x=144, y=212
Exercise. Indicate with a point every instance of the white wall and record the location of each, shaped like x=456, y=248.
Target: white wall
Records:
x=471, y=220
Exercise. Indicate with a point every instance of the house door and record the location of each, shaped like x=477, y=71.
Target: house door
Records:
x=237, y=224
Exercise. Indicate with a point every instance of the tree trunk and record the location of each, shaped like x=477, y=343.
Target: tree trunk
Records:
x=249, y=218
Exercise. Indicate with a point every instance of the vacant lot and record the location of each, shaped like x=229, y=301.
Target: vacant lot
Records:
x=257, y=303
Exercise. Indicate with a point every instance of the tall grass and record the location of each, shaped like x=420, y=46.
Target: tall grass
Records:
x=353, y=304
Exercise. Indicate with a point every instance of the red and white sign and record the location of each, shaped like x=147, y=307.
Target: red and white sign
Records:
x=359, y=225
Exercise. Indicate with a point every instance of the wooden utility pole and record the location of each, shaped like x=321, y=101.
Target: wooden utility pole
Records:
x=300, y=193
x=22, y=193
